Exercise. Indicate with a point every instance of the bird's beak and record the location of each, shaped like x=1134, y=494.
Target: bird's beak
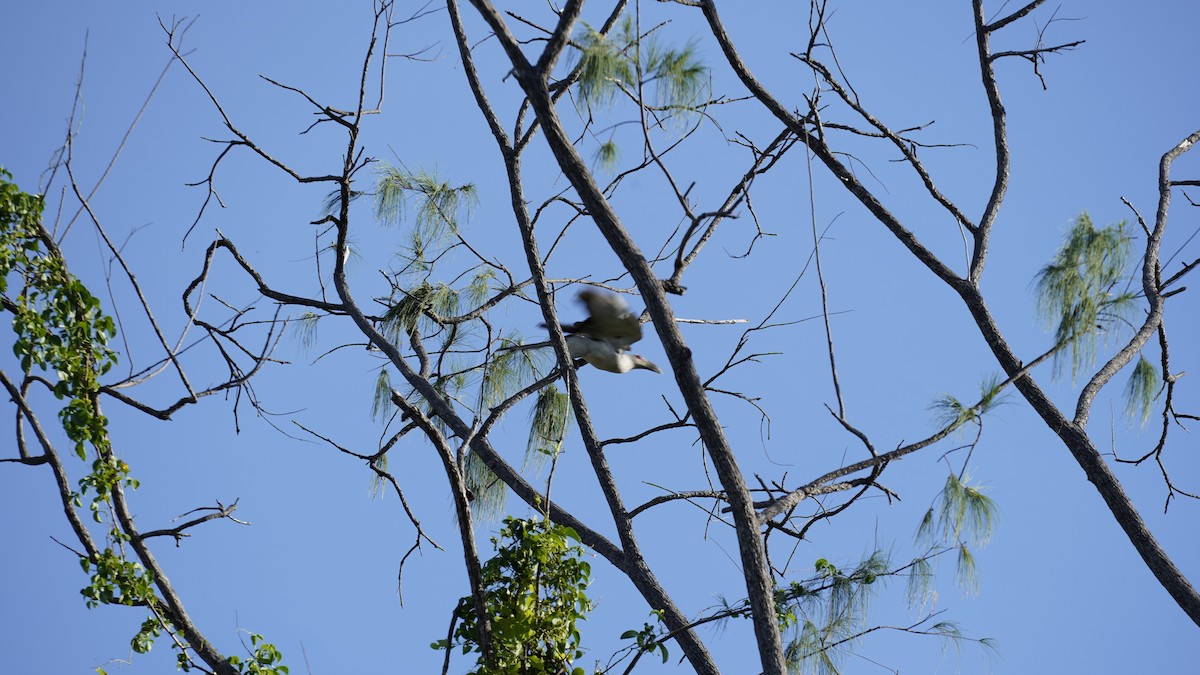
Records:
x=650, y=366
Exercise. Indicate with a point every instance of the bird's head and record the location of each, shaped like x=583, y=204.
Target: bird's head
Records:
x=640, y=362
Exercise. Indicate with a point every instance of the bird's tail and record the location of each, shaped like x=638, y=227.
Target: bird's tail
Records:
x=567, y=327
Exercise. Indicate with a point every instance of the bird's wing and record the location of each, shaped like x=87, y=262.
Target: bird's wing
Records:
x=609, y=319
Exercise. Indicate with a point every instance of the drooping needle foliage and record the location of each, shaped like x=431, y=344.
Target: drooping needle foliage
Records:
x=1078, y=297
x=1077, y=292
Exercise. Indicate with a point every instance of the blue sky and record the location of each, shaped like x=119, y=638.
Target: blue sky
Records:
x=1061, y=589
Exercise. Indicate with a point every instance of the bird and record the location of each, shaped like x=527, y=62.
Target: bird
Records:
x=609, y=319
x=604, y=337
x=605, y=356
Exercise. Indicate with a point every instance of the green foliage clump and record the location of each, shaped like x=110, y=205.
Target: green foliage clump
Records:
x=1077, y=293
x=611, y=64
x=604, y=65
x=650, y=638
x=1077, y=296
x=59, y=328
x=550, y=417
x=679, y=77
x=607, y=155
x=144, y=639
x=675, y=80
x=534, y=588
x=58, y=323
x=964, y=517
x=265, y=660
x=965, y=512
x=404, y=316
x=439, y=209
x=1141, y=390
x=949, y=411
x=116, y=581
x=824, y=613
